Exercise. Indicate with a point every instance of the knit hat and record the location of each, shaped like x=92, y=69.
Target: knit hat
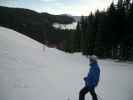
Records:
x=93, y=58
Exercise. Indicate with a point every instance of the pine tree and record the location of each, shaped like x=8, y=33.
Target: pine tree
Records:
x=77, y=38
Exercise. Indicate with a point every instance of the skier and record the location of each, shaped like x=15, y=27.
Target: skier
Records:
x=92, y=79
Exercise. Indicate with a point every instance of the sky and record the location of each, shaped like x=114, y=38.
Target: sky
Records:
x=72, y=7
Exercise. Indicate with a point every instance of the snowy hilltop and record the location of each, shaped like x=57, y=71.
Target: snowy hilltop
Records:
x=28, y=71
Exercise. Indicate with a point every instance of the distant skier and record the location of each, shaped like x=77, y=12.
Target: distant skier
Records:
x=92, y=79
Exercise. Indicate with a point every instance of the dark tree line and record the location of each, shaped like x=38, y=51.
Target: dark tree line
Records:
x=106, y=33
x=34, y=24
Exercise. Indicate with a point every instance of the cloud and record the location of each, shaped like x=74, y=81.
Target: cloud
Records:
x=48, y=0
x=93, y=5
x=73, y=7
x=6, y=1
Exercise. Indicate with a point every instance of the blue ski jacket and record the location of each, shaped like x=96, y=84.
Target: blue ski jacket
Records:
x=92, y=78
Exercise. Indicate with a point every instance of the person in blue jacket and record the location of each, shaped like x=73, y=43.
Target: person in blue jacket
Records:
x=92, y=79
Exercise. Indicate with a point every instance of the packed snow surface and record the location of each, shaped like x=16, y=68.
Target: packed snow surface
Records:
x=28, y=71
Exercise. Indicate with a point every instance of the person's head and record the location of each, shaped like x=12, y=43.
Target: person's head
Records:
x=93, y=59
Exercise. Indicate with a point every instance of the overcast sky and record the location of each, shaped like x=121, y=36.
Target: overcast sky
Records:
x=73, y=7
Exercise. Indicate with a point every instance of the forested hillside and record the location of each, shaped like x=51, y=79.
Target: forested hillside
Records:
x=107, y=33
x=33, y=24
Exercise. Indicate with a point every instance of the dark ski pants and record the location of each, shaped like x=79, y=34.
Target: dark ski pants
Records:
x=84, y=91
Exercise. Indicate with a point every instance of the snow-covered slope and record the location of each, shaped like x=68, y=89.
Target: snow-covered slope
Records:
x=27, y=72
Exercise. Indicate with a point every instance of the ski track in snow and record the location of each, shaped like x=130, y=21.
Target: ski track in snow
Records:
x=29, y=73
